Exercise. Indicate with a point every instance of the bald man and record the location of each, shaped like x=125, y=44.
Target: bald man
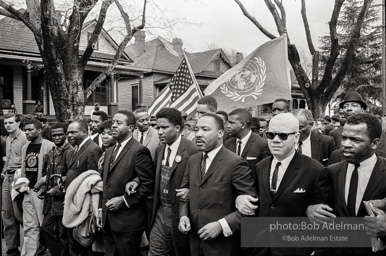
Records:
x=288, y=182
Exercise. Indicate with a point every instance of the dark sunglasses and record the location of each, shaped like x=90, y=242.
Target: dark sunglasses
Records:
x=282, y=135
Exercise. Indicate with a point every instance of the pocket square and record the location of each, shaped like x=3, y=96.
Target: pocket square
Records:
x=325, y=159
x=251, y=158
x=299, y=190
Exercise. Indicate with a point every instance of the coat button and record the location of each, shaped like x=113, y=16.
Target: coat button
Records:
x=272, y=206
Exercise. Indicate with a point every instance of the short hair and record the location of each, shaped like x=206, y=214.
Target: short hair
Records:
x=58, y=125
x=374, y=127
x=35, y=122
x=221, y=112
x=243, y=114
x=287, y=103
x=11, y=114
x=217, y=119
x=139, y=110
x=82, y=124
x=173, y=115
x=100, y=113
x=130, y=118
x=304, y=112
x=105, y=125
x=210, y=101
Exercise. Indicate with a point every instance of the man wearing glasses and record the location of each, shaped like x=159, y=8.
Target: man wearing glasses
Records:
x=288, y=182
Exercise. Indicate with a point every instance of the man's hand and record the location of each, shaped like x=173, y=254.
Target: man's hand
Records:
x=320, y=213
x=210, y=230
x=55, y=191
x=131, y=187
x=184, y=225
x=376, y=226
x=244, y=205
x=38, y=185
x=182, y=192
x=114, y=203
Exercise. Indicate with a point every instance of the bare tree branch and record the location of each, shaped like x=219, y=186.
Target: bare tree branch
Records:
x=121, y=47
x=254, y=21
x=282, y=12
x=97, y=30
x=334, y=53
x=7, y=14
x=352, y=45
x=307, y=28
x=278, y=20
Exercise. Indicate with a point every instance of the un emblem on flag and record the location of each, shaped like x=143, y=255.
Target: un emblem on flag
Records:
x=248, y=82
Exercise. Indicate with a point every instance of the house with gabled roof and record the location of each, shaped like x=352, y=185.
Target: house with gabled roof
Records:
x=163, y=58
x=22, y=72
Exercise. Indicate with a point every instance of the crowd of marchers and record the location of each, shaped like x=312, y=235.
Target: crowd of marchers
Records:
x=161, y=186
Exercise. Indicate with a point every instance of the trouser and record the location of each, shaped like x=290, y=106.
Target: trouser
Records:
x=161, y=243
x=121, y=243
x=32, y=219
x=55, y=235
x=9, y=212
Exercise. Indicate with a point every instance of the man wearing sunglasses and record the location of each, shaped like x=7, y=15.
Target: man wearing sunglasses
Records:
x=288, y=182
x=312, y=144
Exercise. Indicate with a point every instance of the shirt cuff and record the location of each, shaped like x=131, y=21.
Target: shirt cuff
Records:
x=226, y=230
x=124, y=200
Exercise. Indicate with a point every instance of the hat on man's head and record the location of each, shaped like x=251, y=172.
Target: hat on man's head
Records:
x=353, y=96
x=255, y=124
x=184, y=114
x=335, y=117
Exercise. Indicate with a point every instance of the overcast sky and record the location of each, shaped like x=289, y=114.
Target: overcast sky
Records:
x=223, y=23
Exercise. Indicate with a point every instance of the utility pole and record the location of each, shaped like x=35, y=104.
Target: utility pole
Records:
x=383, y=59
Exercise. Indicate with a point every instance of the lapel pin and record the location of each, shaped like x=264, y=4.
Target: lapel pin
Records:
x=178, y=159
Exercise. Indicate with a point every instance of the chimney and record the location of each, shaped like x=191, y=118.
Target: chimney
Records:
x=239, y=57
x=177, y=45
x=139, y=41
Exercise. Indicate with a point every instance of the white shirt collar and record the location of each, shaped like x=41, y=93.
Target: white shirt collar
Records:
x=245, y=139
x=175, y=145
x=307, y=141
x=212, y=154
x=83, y=142
x=285, y=162
x=123, y=143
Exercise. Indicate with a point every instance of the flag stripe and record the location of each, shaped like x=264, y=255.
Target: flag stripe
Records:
x=192, y=97
x=161, y=101
x=184, y=96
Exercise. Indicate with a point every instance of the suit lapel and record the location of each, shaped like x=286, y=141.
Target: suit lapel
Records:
x=315, y=146
x=266, y=185
x=375, y=179
x=342, y=184
x=80, y=151
x=148, y=137
x=289, y=174
x=248, y=145
x=180, y=152
x=214, y=165
x=121, y=154
x=232, y=145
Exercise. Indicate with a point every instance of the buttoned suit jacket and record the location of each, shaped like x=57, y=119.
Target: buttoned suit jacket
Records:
x=303, y=173
x=85, y=159
x=134, y=160
x=186, y=149
x=213, y=198
x=254, y=151
x=376, y=189
x=321, y=147
x=151, y=141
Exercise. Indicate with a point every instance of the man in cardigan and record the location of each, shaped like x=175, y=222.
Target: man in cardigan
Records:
x=31, y=168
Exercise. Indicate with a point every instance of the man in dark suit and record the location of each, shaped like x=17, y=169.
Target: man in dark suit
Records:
x=215, y=177
x=171, y=160
x=312, y=144
x=288, y=182
x=124, y=216
x=97, y=118
x=360, y=177
x=243, y=142
x=83, y=157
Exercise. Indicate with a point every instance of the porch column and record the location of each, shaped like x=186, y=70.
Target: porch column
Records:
x=28, y=104
x=140, y=92
x=112, y=105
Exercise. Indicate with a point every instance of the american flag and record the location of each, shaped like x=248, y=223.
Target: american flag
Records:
x=182, y=92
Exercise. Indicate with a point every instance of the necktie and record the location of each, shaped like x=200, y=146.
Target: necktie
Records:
x=76, y=150
x=141, y=140
x=352, y=192
x=275, y=177
x=300, y=143
x=115, y=152
x=168, y=156
x=203, y=165
x=239, y=148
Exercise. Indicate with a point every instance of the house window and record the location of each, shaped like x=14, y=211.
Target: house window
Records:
x=266, y=108
x=6, y=86
x=95, y=45
x=134, y=97
x=100, y=93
